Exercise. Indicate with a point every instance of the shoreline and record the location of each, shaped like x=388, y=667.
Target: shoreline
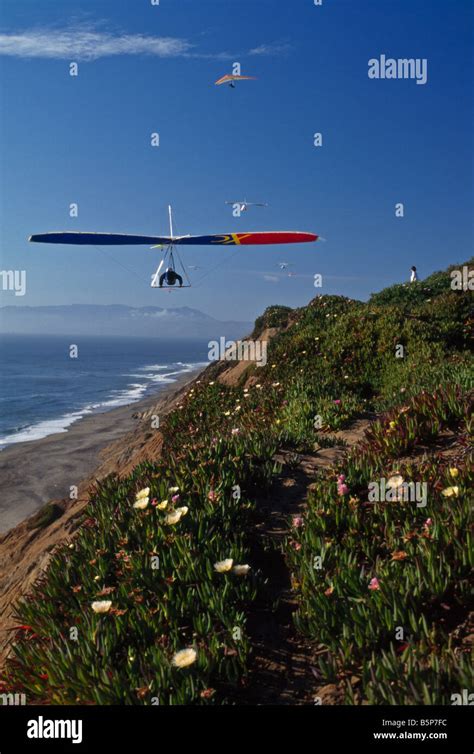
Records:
x=34, y=473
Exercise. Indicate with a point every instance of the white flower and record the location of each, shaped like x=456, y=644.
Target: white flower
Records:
x=241, y=570
x=184, y=658
x=175, y=516
x=102, y=606
x=143, y=493
x=141, y=503
x=174, y=489
x=223, y=565
x=395, y=481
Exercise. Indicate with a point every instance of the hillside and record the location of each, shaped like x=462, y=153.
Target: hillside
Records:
x=294, y=532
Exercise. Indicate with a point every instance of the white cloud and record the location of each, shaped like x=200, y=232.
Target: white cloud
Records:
x=271, y=278
x=88, y=42
x=276, y=49
x=83, y=44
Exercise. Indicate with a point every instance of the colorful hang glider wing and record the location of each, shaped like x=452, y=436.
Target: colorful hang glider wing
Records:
x=247, y=239
x=223, y=239
x=232, y=77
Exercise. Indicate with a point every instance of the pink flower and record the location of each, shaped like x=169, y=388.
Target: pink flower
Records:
x=212, y=496
x=337, y=402
x=175, y=498
x=297, y=521
x=429, y=522
x=295, y=545
x=342, y=489
x=374, y=584
x=154, y=501
x=235, y=431
x=341, y=478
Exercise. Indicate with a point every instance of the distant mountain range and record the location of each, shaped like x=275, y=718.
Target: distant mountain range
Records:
x=116, y=319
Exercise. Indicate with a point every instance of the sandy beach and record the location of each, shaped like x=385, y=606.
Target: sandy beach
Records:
x=33, y=473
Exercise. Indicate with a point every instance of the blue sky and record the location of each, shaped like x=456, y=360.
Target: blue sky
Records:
x=86, y=139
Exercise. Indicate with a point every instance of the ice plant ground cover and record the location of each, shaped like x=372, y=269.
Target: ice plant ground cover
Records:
x=394, y=581
x=148, y=603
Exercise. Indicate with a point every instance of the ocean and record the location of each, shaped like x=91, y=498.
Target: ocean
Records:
x=43, y=390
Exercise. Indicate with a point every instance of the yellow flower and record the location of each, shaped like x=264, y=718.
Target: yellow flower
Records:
x=451, y=492
x=454, y=472
x=141, y=503
x=174, y=489
x=223, y=565
x=184, y=658
x=226, y=413
x=161, y=506
x=103, y=606
x=392, y=425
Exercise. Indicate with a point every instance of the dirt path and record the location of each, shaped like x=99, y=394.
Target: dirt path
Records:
x=281, y=672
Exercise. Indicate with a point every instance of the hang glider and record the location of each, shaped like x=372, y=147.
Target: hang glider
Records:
x=244, y=205
x=257, y=238
x=230, y=78
x=170, y=277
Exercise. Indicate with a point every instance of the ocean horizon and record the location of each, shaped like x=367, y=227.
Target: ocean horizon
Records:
x=44, y=389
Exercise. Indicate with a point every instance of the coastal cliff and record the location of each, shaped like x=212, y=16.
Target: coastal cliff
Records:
x=267, y=485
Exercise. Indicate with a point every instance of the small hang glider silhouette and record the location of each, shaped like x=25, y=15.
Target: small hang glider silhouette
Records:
x=231, y=78
x=284, y=267
x=169, y=277
x=243, y=206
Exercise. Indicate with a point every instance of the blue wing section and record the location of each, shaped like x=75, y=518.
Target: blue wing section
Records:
x=98, y=239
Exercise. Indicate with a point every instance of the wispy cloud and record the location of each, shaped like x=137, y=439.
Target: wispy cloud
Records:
x=88, y=42
x=271, y=278
x=270, y=49
x=83, y=44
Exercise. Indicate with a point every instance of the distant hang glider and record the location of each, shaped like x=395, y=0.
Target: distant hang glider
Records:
x=230, y=78
x=258, y=238
x=243, y=206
